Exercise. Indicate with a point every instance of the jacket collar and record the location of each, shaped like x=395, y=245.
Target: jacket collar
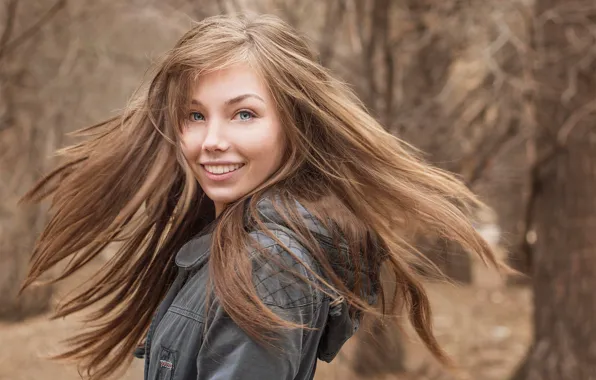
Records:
x=340, y=326
x=195, y=253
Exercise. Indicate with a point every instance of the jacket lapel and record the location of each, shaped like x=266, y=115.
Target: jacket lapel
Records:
x=194, y=254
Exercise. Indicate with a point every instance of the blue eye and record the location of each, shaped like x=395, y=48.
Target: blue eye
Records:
x=196, y=116
x=245, y=115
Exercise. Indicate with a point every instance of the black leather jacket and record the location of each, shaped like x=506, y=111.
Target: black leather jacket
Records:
x=182, y=344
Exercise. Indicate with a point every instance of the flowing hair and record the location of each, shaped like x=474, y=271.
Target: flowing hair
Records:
x=128, y=182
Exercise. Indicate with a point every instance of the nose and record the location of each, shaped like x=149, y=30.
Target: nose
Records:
x=215, y=139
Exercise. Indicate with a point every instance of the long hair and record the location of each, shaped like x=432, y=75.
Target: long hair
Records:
x=128, y=182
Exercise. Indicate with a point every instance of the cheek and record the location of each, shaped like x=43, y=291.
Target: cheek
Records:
x=277, y=138
x=268, y=147
x=280, y=147
x=190, y=148
x=257, y=142
x=186, y=153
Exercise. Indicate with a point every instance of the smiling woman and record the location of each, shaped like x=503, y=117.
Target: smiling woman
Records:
x=255, y=202
x=233, y=138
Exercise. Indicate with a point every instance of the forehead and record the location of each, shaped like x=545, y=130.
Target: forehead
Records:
x=223, y=84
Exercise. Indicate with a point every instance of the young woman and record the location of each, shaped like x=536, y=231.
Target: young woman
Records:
x=255, y=202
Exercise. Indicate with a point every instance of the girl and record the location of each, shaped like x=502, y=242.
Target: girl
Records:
x=255, y=202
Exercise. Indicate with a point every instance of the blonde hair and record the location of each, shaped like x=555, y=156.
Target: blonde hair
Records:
x=128, y=181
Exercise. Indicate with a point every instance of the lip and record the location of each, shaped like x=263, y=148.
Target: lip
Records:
x=220, y=163
x=220, y=177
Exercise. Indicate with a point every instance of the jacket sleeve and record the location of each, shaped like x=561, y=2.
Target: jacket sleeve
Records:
x=228, y=352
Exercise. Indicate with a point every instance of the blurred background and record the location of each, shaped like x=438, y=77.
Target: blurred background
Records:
x=500, y=92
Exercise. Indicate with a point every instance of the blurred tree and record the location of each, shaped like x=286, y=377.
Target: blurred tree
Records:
x=424, y=70
x=23, y=149
x=438, y=74
x=562, y=208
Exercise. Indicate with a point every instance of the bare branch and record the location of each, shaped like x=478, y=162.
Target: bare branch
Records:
x=390, y=81
x=5, y=123
x=11, y=10
x=221, y=6
x=334, y=16
x=378, y=30
x=487, y=156
x=573, y=120
x=9, y=47
x=353, y=26
x=360, y=11
x=234, y=6
x=535, y=184
x=289, y=13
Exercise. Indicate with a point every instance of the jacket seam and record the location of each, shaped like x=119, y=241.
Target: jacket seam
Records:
x=255, y=251
x=290, y=307
x=187, y=313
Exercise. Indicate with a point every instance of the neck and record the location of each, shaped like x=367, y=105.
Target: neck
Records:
x=219, y=207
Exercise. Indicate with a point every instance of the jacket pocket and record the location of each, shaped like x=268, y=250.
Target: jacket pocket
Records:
x=167, y=364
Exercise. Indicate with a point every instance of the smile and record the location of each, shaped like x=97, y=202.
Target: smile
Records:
x=222, y=169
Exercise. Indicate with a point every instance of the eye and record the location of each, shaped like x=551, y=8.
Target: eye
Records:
x=196, y=116
x=245, y=115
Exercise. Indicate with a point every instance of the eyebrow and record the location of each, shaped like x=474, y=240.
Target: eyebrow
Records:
x=234, y=100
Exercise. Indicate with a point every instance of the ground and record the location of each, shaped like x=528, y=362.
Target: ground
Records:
x=485, y=331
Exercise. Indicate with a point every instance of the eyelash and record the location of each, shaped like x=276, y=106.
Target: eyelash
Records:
x=251, y=113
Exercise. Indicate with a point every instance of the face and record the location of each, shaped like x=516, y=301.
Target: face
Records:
x=232, y=137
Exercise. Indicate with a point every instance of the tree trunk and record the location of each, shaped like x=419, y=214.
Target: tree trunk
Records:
x=16, y=241
x=564, y=262
x=564, y=275
x=25, y=145
x=565, y=269
x=21, y=153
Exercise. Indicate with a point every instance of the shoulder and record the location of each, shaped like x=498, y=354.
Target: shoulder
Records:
x=284, y=272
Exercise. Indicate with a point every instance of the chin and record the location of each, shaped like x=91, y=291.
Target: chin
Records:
x=224, y=197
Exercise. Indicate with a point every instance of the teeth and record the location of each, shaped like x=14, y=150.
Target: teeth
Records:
x=222, y=169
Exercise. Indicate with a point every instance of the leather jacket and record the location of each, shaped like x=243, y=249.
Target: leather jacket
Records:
x=183, y=344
